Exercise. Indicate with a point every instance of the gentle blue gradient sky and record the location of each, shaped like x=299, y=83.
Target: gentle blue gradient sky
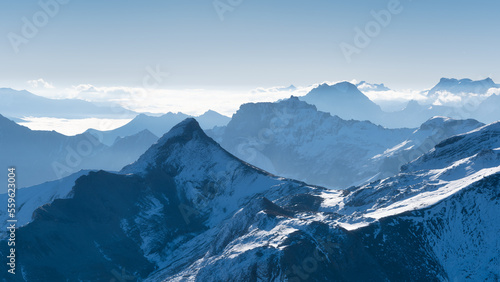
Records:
x=261, y=43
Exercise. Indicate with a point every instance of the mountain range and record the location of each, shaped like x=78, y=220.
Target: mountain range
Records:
x=41, y=156
x=283, y=191
x=284, y=137
x=188, y=210
x=346, y=101
x=158, y=125
x=19, y=104
x=459, y=86
x=48, y=155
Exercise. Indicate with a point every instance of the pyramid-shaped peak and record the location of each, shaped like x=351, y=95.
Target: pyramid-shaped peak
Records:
x=211, y=113
x=171, y=145
x=187, y=128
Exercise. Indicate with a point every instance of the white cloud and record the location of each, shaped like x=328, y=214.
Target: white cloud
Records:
x=446, y=98
x=197, y=101
x=189, y=101
x=36, y=83
x=71, y=126
x=493, y=91
x=396, y=95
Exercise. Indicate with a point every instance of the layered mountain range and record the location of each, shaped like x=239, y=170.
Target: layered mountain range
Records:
x=158, y=125
x=47, y=155
x=286, y=136
x=284, y=191
x=348, y=102
x=19, y=104
x=189, y=210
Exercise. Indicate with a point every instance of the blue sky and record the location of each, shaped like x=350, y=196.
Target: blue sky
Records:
x=258, y=44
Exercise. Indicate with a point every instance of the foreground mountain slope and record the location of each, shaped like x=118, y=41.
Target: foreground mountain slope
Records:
x=189, y=211
x=183, y=185
x=421, y=141
x=421, y=225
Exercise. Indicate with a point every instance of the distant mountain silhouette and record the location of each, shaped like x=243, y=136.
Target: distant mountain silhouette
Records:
x=344, y=100
x=465, y=85
x=41, y=156
x=158, y=125
x=18, y=104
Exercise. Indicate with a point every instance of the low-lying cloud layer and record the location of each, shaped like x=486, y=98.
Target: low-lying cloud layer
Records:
x=198, y=101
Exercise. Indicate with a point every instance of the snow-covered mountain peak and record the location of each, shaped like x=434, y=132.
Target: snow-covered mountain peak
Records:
x=189, y=128
x=196, y=213
x=187, y=134
x=205, y=174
